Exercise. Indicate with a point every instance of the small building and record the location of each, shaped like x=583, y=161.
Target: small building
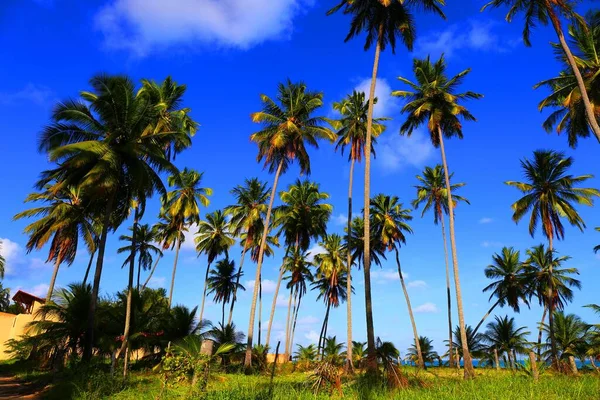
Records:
x=14, y=326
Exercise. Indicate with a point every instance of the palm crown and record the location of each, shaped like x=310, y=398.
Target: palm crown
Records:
x=214, y=235
x=390, y=220
x=510, y=286
x=183, y=202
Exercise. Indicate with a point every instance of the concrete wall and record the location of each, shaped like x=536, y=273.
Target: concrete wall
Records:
x=14, y=326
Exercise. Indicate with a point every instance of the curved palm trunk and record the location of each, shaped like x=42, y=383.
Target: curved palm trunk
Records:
x=237, y=282
x=349, y=364
x=174, y=271
x=287, y=325
x=89, y=332
x=593, y=363
x=261, y=253
x=371, y=355
x=204, y=292
x=259, y=309
x=323, y=328
x=469, y=372
x=541, y=331
x=150, y=276
x=129, y=311
x=553, y=350
x=448, y=295
x=53, y=280
x=87, y=270
x=281, y=271
x=589, y=109
x=138, y=274
x=486, y=315
x=223, y=315
x=420, y=362
x=294, y=324
x=496, y=360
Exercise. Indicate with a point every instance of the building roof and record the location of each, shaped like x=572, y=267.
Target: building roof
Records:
x=26, y=298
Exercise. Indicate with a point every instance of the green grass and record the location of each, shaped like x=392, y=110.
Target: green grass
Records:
x=434, y=384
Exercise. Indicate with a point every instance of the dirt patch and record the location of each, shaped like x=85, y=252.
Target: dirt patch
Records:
x=14, y=388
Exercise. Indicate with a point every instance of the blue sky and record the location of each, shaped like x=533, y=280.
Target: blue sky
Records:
x=226, y=59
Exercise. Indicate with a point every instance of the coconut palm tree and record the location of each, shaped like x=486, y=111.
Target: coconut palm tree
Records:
x=474, y=343
x=223, y=281
x=550, y=193
x=433, y=194
x=63, y=218
x=306, y=355
x=433, y=99
x=569, y=115
x=112, y=144
x=358, y=353
x=542, y=12
x=169, y=234
x=182, y=205
x=357, y=244
x=504, y=336
x=551, y=284
x=145, y=238
x=4, y=298
x=352, y=133
x=510, y=287
x=424, y=350
x=2, y=262
x=247, y=216
x=390, y=221
x=331, y=277
x=288, y=126
x=214, y=238
x=570, y=337
x=384, y=22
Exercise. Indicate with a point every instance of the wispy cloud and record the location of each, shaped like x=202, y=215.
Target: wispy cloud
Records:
x=395, y=152
x=313, y=251
x=145, y=26
x=31, y=93
x=386, y=104
x=486, y=220
x=312, y=336
x=475, y=36
x=157, y=282
x=383, y=276
x=417, y=284
x=427, y=308
x=491, y=243
x=268, y=286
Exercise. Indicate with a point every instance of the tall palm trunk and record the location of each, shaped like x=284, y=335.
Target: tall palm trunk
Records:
x=589, y=109
x=287, y=325
x=204, y=292
x=53, y=279
x=553, y=350
x=174, y=271
x=486, y=315
x=281, y=271
x=349, y=365
x=223, y=315
x=261, y=253
x=89, y=331
x=87, y=270
x=421, y=363
x=540, y=333
x=371, y=355
x=496, y=360
x=129, y=311
x=295, y=321
x=237, y=282
x=152, y=273
x=259, y=309
x=469, y=372
x=322, y=334
x=139, y=273
x=448, y=295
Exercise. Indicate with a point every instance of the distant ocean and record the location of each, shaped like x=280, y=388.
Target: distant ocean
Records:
x=476, y=363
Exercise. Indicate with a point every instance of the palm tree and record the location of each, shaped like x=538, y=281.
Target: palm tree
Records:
x=182, y=205
x=63, y=219
x=213, y=239
x=223, y=281
x=112, y=159
x=432, y=192
x=4, y=298
x=510, y=288
x=593, y=338
x=331, y=277
x=549, y=194
x=145, y=238
x=390, y=221
x=226, y=336
x=333, y=351
x=384, y=22
x=358, y=353
x=169, y=233
x=569, y=115
x=2, y=262
x=570, y=335
x=287, y=128
x=474, y=343
x=357, y=244
x=551, y=284
x=352, y=132
x=433, y=100
x=306, y=355
x=503, y=336
x=247, y=217
x=423, y=350
x=542, y=12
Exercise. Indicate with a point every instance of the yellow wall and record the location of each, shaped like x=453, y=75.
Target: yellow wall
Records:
x=14, y=326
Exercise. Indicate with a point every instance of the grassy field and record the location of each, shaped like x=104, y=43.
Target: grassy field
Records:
x=436, y=383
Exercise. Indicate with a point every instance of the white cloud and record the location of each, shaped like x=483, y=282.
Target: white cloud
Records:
x=382, y=276
x=282, y=301
x=427, y=308
x=394, y=152
x=386, y=104
x=313, y=251
x=312, y=336
x=308, y=320
x=190, y=236
x=477, y=36
x=142, y=26
x=268, y=286
x=38, y=263
x=486, y=220
x=488, y=244
x=342, y=218
x=157, y=282
x=12, y=253
x=417, y=284
x=39, y=290
x=31, y=93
